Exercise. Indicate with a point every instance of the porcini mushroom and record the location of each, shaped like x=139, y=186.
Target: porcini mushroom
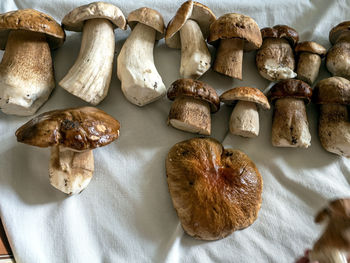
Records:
x=141, y=82
x=72, y=134
x=244, y=119
x=26, y=70
x=275, y=59
x=90, y=76
x=235, y=33
x=193, y=102
x=215, y=191
x=334, y=244
x=334, y=127
x=188, y=30
x=310, y=55
x=290, y=127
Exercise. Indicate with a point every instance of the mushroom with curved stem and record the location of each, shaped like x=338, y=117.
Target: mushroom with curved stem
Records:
x=72, y=134
x=90, y=76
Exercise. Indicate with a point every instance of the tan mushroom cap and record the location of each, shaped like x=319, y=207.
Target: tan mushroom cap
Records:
x=281, y=31
x=149, y=17
x=31, y=20
x=74, y=20
x=215, y=191
x=245, y=94
x=78, y=129
x=188, y=10
x=236, y=26
x=334, y=90
x=311, y=47
x=339, y=31
x=291, y=88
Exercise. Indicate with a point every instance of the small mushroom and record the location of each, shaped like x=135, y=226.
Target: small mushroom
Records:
x=141, y=82
x=275, y=59
x=188, y=30
x=215, y=191
x=334, y=244
x=334, y=127
x=90, y=76
x=290, y=127
x=310, y=55
x=236, y=33
x=193, y=102
x=26, y=70
x=72, y=134
x=244, y=119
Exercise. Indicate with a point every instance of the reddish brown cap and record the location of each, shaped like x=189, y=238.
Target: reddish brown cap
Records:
x=291, y=88
x=334, y=90
x=311, y=47
x=196, y=89
x=215, y=191
x=245, y=94
x=31, y=20
x=339, y=32
x=281, y=31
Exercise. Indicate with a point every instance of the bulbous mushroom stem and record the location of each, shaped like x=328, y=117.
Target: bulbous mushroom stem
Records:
x=189, y=114
x=141, y=82
x=328, y=255
x=195, y=56
x=308, y=67
x=90, y=76
x=290, y=127
x=229, y=57
x=26, y=73
x=70, y=171
x=337, y=60
x=244, y=119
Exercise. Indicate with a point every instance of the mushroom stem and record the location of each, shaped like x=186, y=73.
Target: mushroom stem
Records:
x=308, y=67
x=337, y=60
x=189, y=114
x=195, y=56
x=229, y=57
x=290, y=127
x=244, y=119
x=70, y=171
x=26, y=73
x=90, y=76
x=328, y=255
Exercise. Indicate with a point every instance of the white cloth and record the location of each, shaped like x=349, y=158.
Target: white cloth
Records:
x=126, y=214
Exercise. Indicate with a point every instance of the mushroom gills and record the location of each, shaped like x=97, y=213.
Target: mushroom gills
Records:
x=26, y=73
x=191, y=115
x=90, y=76
x=195, y=56
x=308, y=67
x=244, y=119
x=328, y=256
x=70, y=171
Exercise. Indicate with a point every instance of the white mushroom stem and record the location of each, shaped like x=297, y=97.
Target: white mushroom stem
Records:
x=229, y=57
x=141, y=82
x=70, y=171
x=337, y=61
x=328, y=255
x=244, y=119
x=195, y=56
x=308, y=67
x=26, y=73
x=90, y=76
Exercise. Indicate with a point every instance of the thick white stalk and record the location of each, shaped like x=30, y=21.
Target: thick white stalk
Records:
x=244, y=119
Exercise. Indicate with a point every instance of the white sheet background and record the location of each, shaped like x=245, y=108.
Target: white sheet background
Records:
x=126, y=214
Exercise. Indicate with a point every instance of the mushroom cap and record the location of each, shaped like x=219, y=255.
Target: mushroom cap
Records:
x=188, y=10
x=78, y=129
x=74, y=20
x=31, y=20
x=149, y=17
x=236, y=26
x=246, y=94
x=196, y=89
x=215, y=191
x=311, y=47
x=333, y=90
x=291, y=88
x=281, y=31
x=339, y=31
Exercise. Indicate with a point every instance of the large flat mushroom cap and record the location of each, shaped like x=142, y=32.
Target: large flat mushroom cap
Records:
x=215, y=191
x=334, y=90
x=74, y=20
x=236, y=26
x=339, y=31
x=78, y=129
x=311, y=47
x=31, y=20
x=245, y=94
x=291, y=88
x=281, y=31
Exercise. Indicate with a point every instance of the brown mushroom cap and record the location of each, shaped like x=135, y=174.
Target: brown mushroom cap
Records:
x=291, y=88
x=281, y=31
x=236, y=26
x=339, y=31
x=311, y=47
x=196, y=89
x=31, y=20
x=149, y=17
x=78, y=129
x=334, y=90
x=215, y=191
x=245, y=94
x=74, y=20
